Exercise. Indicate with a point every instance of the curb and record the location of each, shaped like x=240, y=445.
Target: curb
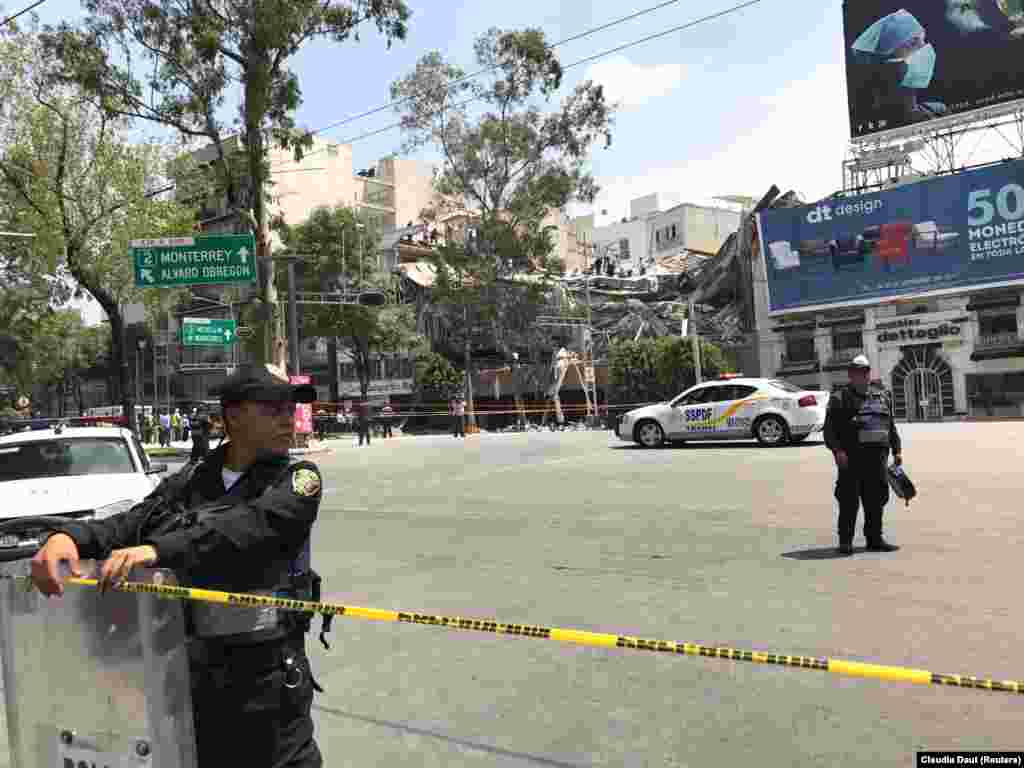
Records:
x=309, y=451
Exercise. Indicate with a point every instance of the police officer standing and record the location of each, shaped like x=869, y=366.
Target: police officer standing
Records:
x=200, y=434
x=239, y=521
x=860, y=431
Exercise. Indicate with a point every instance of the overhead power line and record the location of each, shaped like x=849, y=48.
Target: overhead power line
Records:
x=22, y=12
x=484, y=71
x=581, y=62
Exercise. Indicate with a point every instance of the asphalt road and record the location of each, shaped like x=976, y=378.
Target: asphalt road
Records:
x=725, y=544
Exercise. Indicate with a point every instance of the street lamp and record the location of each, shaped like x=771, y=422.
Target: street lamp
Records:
x=139, y=389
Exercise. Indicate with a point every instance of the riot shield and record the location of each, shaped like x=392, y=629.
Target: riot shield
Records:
x=95, y=679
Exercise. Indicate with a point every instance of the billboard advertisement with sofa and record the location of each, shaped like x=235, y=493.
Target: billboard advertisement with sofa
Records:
x=910, y=61
x=950, y=232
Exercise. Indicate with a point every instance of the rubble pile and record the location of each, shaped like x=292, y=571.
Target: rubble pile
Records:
x=721, y=287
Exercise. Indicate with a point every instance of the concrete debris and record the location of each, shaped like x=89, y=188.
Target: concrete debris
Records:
x=649, y=305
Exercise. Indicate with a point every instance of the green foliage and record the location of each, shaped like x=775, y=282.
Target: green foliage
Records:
x=435, y=374
x=69, y=174
x=191, y=54
x=338, y=255
x=659, y=369
x=56, y=350
x=507, y=172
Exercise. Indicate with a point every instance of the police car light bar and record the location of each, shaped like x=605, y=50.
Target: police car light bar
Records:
x=727, y=376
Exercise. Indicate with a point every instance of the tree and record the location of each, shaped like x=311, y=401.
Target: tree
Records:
x=193, y=51
x=505, y=171
x=69, y=175
x=659, y=369
x=339, y=252
x=64, y=350
x=435, y=374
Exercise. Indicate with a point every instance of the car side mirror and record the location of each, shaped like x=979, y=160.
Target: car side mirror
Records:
x=156, y=469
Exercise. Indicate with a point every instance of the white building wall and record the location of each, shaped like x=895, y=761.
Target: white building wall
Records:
x=635, y=231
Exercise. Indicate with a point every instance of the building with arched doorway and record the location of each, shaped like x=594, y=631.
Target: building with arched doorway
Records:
x=942, y=358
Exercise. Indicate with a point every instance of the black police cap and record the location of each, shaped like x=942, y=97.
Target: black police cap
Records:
x=257, y=382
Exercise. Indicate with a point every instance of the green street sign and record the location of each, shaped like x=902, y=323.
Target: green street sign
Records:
x=204, y=331
x=203, y=260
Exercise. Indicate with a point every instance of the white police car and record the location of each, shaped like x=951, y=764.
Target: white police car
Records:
x=76, y=472
x=773, y=411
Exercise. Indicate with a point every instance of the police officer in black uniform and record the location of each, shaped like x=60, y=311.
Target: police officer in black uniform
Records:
x=860, y=431
x=200, y=434
x=238, y=521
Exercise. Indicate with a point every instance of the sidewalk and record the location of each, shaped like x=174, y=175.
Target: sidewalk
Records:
x=184, y=450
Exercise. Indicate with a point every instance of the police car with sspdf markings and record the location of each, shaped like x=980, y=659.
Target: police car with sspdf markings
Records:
x=772, y=411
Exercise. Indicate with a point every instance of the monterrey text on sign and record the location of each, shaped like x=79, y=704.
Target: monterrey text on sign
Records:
x=202, y=260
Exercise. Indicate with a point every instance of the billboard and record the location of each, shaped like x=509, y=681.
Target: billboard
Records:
x=951, y=232
x=910, y=61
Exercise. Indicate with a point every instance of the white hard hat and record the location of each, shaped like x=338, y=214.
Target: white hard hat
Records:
x=860, y=361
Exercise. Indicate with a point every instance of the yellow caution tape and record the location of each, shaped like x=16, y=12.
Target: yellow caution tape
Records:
x=579, y=637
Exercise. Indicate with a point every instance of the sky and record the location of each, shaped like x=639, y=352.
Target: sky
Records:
x=727, y=107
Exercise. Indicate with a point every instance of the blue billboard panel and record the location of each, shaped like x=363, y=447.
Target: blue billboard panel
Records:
x=962, y=231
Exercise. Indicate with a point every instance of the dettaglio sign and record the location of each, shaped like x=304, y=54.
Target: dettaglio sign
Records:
x=915, y=330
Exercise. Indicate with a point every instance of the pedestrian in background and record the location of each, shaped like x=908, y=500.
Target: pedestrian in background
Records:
x=860, y=430
x=457, y=410
x=364, y=422
x=147, y=429
x=186, y=426
x=165, y=429
x=387, y=415
x=200, y=436
x=176, y=426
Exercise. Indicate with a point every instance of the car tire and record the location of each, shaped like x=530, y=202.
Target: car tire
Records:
x=649, y=434
x=771, y=431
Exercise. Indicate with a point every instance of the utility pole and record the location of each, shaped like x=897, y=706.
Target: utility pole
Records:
x=589, y=372
x=293, y=320
x=469, y=372
x=694, y=341
x=294, y=357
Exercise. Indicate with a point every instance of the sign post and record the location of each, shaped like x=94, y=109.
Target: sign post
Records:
x=204, y=260
x=205, y=331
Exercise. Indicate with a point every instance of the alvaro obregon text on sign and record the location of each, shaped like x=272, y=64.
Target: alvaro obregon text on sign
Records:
x=194, y=260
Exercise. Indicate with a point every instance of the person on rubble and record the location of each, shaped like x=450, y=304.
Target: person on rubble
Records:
x=239, y=521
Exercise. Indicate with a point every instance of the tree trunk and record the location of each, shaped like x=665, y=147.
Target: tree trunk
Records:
x=255, y=107
x=117, y=341
x=332, y=367
x=468, y=364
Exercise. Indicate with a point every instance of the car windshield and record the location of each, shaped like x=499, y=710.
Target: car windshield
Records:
x=64, y=458
x=785, y=386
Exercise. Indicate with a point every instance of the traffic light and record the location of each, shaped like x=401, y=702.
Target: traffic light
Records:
x=372, y=299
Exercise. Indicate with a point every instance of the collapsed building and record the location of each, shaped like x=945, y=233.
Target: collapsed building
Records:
x=721, y=286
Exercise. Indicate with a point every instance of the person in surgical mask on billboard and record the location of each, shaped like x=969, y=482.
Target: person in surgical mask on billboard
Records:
x=899, y=64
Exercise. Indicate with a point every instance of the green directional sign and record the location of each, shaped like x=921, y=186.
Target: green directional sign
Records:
x=203, y=260
x=205, y=331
